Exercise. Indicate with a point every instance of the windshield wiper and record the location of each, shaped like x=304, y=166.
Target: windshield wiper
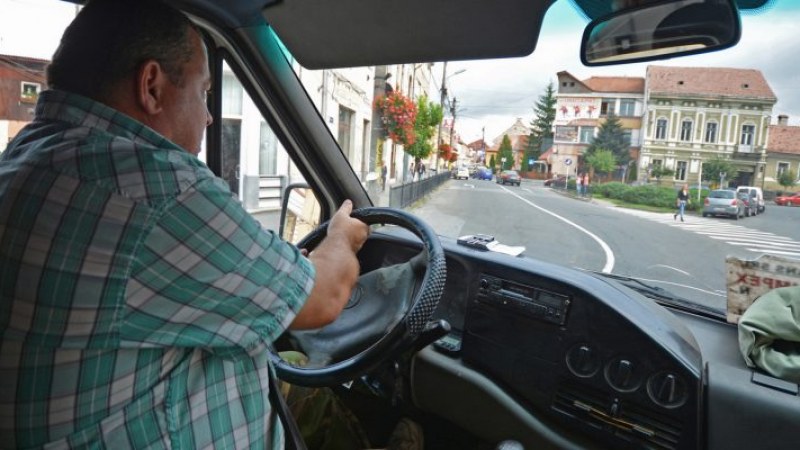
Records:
x=664, y=297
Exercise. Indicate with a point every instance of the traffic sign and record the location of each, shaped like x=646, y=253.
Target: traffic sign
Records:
x=568, y=161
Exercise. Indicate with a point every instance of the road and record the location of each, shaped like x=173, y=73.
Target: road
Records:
x=688, y=258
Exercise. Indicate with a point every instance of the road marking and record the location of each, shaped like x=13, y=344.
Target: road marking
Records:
x=606, y=249
x=736, y=235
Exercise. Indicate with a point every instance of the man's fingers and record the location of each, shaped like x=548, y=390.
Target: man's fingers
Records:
x=347, y=207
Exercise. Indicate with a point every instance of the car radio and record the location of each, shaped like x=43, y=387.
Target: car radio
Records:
x=533, y=302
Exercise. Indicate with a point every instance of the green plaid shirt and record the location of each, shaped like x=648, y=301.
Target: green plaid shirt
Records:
x=137, y=296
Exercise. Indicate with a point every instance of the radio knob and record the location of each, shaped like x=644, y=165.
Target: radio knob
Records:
x=623, y=375
x=583, y=361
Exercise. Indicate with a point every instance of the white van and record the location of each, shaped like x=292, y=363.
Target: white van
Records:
x=762, y=206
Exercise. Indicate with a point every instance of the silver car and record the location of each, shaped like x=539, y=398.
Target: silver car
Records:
x=723, y=202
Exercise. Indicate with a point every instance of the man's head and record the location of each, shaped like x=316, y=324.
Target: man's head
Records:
x=143, y=58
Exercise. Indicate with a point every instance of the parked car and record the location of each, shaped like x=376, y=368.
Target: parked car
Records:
x=555, y=181
x=723, y=202
x=509, y=177
x=462, y=172
x=483, y=173
x=762, y=205
x=750, y=203
x=788, y=199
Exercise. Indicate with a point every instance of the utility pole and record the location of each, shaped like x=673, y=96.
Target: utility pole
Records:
x=453, y=124
x=443, y=94
x=483, y=147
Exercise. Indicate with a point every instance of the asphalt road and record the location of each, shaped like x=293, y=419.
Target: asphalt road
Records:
x=687, y=258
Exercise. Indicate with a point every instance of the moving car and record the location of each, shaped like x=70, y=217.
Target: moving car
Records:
x=581, y=344
x=750, y=202
x=509, y=177
x=557, y=181
x=483, y=173
x=462, y=173
x=758, y=194
x=723, y=202
x=788, y=199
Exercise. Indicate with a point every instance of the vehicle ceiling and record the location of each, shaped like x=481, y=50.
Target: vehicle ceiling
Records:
x=327, y=34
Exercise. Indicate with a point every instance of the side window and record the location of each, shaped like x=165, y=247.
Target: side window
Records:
x=661, y=129
x=680, y=170
x=686, y=130
x=254, y=162
x=627, y=107
x=782, y=168
x=711, y=133
x=748, y=132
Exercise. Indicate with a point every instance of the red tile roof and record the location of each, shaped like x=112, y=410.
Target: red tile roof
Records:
x=633, y=85
x=783, y=139
x=709, y=81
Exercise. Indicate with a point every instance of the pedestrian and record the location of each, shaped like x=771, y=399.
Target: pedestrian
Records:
x=421, y=169
x=384, y=173
x=579, y=183
x=681, y=201
x=156, y=295
x=585, y=183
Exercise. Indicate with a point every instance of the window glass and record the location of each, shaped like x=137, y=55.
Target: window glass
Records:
x=627, y=107
x=686, y=130
x=587, y=134
x=711, y=132
x=748, y=131
x=661, y=129
x=680, y=170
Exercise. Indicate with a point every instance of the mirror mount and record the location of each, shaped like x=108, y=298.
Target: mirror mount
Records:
x=660, y=30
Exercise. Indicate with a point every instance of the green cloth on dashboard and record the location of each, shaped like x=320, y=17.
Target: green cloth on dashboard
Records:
x=769, y=333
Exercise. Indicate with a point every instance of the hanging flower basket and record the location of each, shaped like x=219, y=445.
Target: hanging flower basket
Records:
x=445, y=151
x=398, y=113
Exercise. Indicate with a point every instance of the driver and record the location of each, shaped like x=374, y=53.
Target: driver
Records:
x=137, y=296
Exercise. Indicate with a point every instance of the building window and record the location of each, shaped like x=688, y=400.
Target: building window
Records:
x=686, y=130
x=346, y=131
x=748, y=132
x=587, y=134
x=626, y=137
x=711, y=132
x=782, y=168
x=627, y=107
x=680, y=170
x=29, y=92
x=268, y=151
x=661, y=129
x=607, y=106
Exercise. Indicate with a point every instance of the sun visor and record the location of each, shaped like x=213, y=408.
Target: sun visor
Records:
x=345, y=33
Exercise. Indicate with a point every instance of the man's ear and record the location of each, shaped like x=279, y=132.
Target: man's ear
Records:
x=150, y=87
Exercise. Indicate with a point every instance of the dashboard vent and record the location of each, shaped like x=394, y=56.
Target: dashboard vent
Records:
x=629, y=423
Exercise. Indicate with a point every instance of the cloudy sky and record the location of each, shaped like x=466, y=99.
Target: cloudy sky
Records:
x=492, y=94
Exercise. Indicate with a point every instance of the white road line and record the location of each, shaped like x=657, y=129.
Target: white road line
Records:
x=732, y=234
x=609, y=266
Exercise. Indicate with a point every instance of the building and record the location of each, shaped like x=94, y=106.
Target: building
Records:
x=697, y=113
x=582, y=106
x=21, y=80
x=518, y=133
x=783, y=152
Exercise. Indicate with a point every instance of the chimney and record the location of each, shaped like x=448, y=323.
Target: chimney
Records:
x=783, y=119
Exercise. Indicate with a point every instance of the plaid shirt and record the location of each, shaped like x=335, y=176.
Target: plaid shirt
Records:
x=137, y=296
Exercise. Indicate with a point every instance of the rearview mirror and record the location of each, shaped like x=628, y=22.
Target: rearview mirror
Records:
x=660, y=30
x=300, y=212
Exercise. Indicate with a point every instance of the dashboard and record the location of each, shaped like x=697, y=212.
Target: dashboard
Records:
x=582, y=354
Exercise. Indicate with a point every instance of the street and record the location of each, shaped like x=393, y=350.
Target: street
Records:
x=686, y=258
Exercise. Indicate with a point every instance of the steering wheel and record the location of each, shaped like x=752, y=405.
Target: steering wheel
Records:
x=388, y=310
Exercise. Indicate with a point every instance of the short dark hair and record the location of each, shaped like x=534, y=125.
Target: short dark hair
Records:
x=110, y=39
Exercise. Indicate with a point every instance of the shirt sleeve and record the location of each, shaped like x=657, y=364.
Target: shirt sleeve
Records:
x=208, y=275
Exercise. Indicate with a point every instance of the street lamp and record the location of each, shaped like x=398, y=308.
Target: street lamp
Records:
x=443, y=94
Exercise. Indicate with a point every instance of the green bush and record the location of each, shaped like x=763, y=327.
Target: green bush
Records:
x=648, y=195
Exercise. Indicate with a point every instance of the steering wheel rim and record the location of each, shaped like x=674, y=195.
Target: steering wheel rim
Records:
x=403, y=334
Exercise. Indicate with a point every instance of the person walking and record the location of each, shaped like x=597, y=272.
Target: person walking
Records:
x=585, y=183
x=384, y=172
x=681, y=202
x=579, y=184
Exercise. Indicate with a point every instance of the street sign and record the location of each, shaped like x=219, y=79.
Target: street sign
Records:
x=567, y=161
x=530, y=162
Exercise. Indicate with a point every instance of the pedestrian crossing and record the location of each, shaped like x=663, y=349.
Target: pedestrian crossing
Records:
x=733, y=233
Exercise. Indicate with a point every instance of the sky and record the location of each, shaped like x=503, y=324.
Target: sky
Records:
x=492, y=94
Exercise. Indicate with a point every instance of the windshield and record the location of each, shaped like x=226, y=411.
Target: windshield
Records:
x=593, y=159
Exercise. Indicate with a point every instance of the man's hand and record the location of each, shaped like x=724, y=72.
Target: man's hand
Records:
x=336, y=267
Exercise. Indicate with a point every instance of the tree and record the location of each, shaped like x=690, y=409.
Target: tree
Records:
x=660, y=171
x=541, y=125
x=787, y=178
x=610, y=137
x=601, y=160
x=428, y=117
x=505, y=154
x=492, y=162
x=712, y=168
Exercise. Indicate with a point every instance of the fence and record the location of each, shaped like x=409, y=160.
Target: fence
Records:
x=405, y=194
